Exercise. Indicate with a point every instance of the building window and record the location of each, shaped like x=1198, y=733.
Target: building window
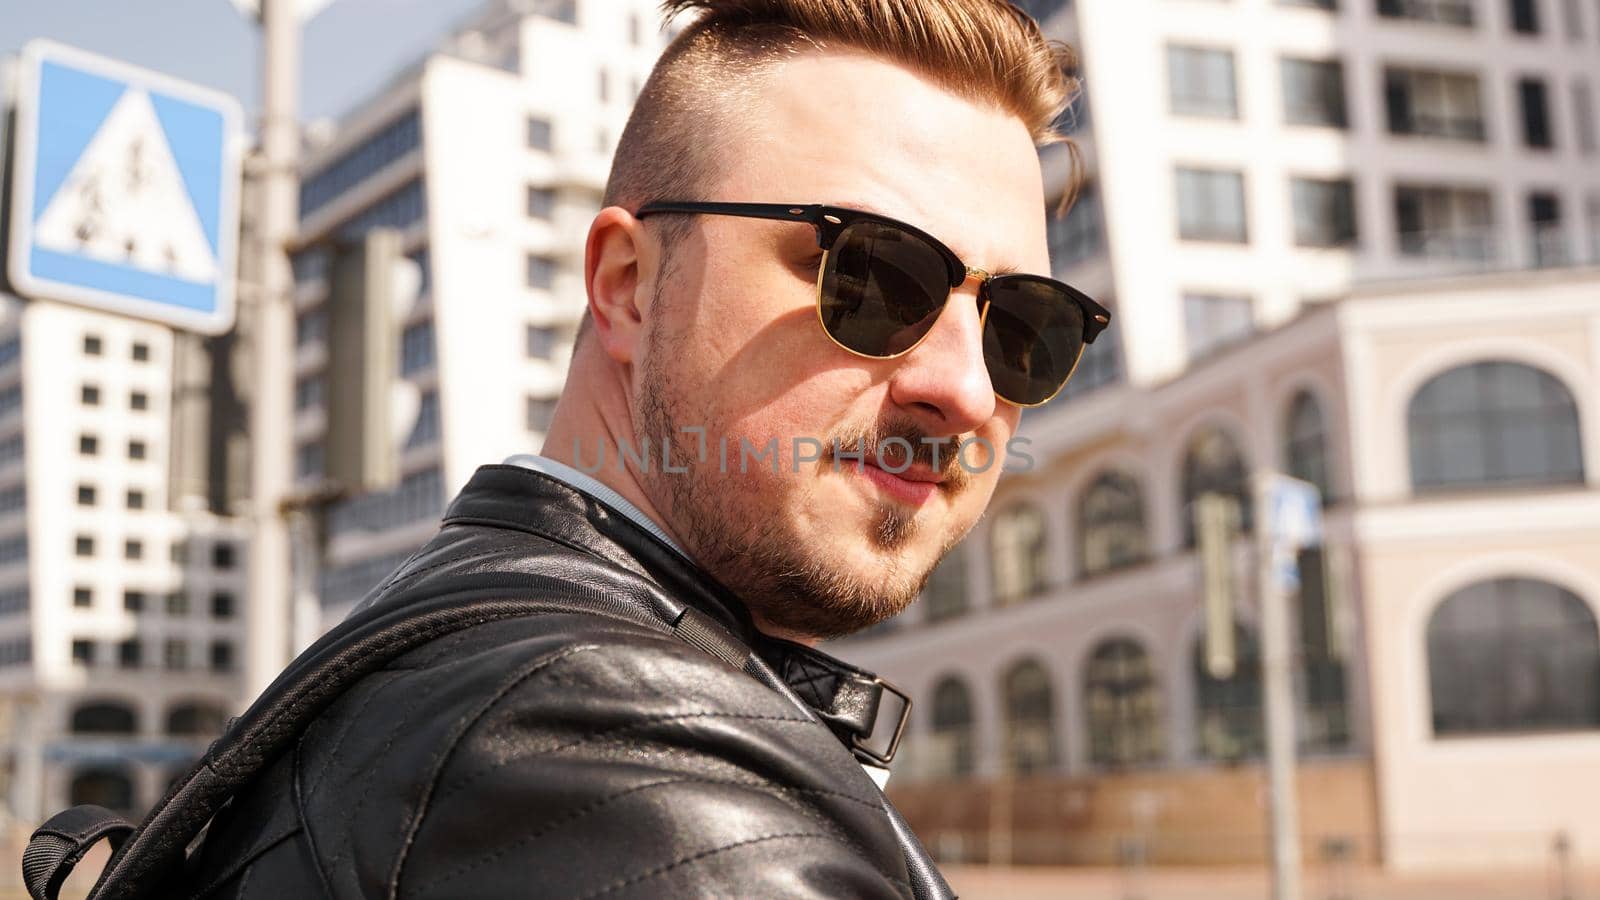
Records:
x=1441, y=222
x=177, y=604
x=1201, y=82
x=83, y=545
x=90, y=395
x=541, y=341
x=138, y=401
x=635, y=30
x=222, y=605
x=1100, y=365
x=130, y=653
x=1305, y=443
x=196, y=720
x=141, y=351
x=541, y=272
x=1313, y=92
x=426, y=429
x=179, y=553
x=1018, y=542
x=1311, y=4
x=1075, y=236
x=1535, y=104
x=111, y=788
x=1441, y=12
x=1572, y=12
x=1513, y=655
x=417, y=348
x=603, y=86
x=1489, y=424
x=133, y=549
x=133, y=601
x=401, y=208
x=1122, y=705
x=952, y=752
x=92, y=346
x=176, y=654
x=308, y=392
x=1525, y=16
x=311, y=327
x=1324, y=211
x=308, y=461
x=1583, y=116
x=541, y=203
x=104, y=718
x=1214, y=321
x=945, y=594
x=1029, y=704
x=1544, y=221
x=83, y=652
x=86, y=495
x=223, y=557
x=1211, y=205
x=136, y=449
x=387, y=145
x=540, y=134
x=135, y=499
x=1213, y=464
x=1434, y=104
x=221, y=656
x=540, y=412
x=1111, y=525
x=1228, y=710
x=82, y=597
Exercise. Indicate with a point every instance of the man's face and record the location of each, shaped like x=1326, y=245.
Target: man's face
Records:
x=733, y=344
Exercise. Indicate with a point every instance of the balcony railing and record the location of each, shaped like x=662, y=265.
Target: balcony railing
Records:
x=1477, y=244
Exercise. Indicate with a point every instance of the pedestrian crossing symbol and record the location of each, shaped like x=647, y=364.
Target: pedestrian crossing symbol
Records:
x=126, y=190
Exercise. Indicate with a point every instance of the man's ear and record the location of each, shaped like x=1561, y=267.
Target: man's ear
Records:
x=614, y=257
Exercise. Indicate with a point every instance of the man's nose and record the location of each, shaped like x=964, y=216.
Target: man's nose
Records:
x=943, y=380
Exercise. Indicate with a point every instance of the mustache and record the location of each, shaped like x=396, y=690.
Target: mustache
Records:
x=938, y=452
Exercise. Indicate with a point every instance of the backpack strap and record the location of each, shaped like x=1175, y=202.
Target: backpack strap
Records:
x=55, y=848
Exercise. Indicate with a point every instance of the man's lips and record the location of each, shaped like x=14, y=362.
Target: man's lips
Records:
x=916, y=485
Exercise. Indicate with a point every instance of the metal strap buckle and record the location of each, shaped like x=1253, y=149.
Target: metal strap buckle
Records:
x=882, y=755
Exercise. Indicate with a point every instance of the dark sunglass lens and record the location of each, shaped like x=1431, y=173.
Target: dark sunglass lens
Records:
x=882, y=289
x=1032, y=338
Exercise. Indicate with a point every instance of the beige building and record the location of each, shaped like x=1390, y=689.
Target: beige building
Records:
x=1448, y=685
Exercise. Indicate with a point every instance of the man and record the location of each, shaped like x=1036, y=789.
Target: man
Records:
x=778, y=418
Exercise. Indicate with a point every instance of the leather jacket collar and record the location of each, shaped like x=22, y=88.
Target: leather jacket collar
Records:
x=866, y=713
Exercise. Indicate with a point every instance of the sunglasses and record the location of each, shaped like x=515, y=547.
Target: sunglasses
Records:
x=883, y=284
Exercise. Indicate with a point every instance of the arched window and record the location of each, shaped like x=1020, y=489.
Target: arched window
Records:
x=1122, y=700
x=1030, y=744
x=198, y=719
x=946, y=591
x=1228, y=710
x=108, y=787
x=1493, y=423
x=1213, y=464
x=1018, y=552
x=104, y=718
x=952, y=751
x=1111, y=530
x=1305, y=443
x=1513, y=655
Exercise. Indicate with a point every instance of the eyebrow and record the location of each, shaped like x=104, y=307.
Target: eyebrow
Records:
x=869, y=208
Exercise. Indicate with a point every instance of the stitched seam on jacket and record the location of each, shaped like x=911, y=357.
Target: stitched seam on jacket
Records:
x=662, y=870
x=596, y=804
x=413, y=707
x=314, y=789
x=486, y=553
x=461, y=783
x=442, y=758
x=300, y=814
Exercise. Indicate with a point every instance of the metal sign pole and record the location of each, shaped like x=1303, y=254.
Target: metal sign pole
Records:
x=271, y=414
x=1278, y=687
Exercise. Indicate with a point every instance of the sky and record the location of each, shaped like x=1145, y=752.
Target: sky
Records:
x=349, y=50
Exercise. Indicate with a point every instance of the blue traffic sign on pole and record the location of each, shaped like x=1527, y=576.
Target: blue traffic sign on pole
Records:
x=125, y=190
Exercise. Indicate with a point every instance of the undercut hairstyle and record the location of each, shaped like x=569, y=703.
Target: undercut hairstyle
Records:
x=687, y=120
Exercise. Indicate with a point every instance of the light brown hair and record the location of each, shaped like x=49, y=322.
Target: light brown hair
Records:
x=686, y=118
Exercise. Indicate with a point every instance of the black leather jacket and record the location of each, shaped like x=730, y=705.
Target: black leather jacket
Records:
x=584, y=751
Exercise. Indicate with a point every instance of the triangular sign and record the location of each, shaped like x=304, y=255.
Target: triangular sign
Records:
x=125, y=201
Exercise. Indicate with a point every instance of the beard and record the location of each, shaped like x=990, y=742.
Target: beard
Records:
x=727, y=522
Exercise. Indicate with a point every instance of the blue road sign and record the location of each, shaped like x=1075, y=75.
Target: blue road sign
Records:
x=125, y=190
x=1294, y=511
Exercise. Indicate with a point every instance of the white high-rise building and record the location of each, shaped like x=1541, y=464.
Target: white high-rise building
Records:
x=121, y=594
x=490, y=157
x=1353, y=241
